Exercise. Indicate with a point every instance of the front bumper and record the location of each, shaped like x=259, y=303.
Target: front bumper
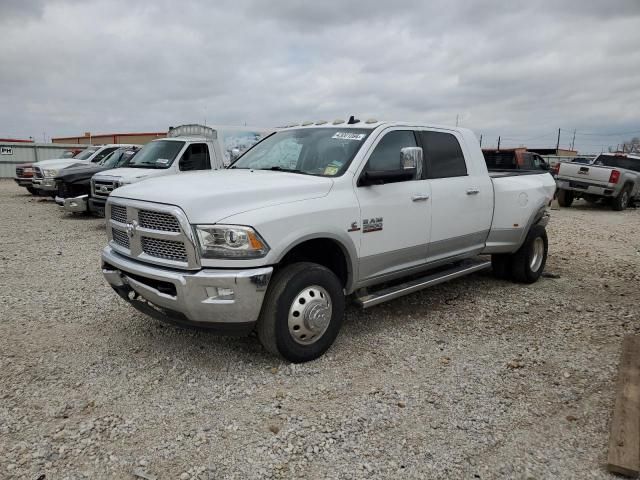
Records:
x=587, y=188
x=190, y=298
x=96, y=206
x=74, y=204
x=45, y=184
x=24, y=182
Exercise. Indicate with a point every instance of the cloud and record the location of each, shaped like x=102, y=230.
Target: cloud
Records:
x=516, y=69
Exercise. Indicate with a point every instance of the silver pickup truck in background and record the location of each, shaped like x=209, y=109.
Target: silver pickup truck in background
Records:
x=611, y=176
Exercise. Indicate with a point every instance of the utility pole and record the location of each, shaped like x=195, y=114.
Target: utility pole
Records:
x=558, y=142
x=480, y=140
x=498, y=143
x=457, y=115
x=574, y=139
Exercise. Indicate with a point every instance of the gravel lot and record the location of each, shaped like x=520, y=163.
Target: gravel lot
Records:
x=477, y=378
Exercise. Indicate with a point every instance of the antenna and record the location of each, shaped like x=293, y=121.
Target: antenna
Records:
x=353, y=120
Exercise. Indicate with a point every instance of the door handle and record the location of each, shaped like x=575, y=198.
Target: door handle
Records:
x=473, y=191
x=420, y=197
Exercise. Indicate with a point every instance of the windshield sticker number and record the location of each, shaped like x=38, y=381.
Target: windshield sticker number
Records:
x=331, y=170
x=162, y=161
x=349, y=136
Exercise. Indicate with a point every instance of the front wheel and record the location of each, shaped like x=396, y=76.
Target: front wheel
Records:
x=302, y=313
x=527, y=264
x=32, y=190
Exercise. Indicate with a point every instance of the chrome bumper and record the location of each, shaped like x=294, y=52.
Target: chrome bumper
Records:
x=205, y=298
x=590, y=189
x=73, y=204
x=45, y=184
x=23, y=182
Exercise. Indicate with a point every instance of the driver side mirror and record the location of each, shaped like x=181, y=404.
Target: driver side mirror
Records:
x=409, y=168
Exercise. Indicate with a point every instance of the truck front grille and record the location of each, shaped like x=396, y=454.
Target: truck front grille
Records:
x=167, y=249
x=120, y=237
x=154, y=233
x=102, y=188
x=19, y=172
x=119, y=213
x=158, y=221
x=37, y=172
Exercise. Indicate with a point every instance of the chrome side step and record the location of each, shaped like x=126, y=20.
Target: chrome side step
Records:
x=390, y=293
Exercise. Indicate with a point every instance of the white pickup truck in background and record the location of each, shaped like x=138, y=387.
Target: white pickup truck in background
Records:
x=314, y=214
x=611, y=176
x=186, y=148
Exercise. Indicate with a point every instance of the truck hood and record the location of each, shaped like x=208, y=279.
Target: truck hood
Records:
x=59, y=163
x=209, y=197
x=79, y=172
x=132, y=175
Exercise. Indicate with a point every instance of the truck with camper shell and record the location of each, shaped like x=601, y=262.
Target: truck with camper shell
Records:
x=317, y=214
x=186, y=148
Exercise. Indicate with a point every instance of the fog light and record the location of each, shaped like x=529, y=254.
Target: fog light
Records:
x=219, y=293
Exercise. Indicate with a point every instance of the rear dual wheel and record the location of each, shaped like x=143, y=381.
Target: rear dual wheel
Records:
x=565, y=198
x=527, y=264
x=302, y=313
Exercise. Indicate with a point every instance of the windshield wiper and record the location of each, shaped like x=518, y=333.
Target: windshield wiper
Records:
x=282, y=169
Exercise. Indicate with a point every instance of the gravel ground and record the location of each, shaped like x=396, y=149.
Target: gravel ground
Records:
x=478, y=378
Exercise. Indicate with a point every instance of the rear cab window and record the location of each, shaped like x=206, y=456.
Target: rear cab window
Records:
x=443, y=155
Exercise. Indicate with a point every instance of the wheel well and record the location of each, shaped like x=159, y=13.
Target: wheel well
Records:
x=323, y=251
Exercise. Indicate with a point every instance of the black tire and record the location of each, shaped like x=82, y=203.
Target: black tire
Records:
x=501, y=265
x=285, y=286
x=621, y=202
x=523, y=267
x=565, y=198
x=32, y=190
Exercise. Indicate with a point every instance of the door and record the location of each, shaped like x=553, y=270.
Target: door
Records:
x=461, y=198
x=395, y=217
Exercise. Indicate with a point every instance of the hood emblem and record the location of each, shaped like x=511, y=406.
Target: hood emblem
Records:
x=132, y=226
x=104, y=189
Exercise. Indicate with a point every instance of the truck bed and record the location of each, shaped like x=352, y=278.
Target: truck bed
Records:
x=513, y=173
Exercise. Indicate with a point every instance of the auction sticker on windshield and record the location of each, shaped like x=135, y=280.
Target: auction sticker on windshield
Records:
x=349, y=136
x=162, y=161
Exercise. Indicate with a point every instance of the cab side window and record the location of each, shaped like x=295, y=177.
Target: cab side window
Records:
x=386, y=155
x=196, y=157
x=443, y=154
x=103, y=154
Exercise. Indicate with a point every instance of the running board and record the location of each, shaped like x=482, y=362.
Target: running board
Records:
x=406, y=288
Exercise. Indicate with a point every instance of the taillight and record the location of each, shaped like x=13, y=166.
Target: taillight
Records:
x=614, y=177
x=556, y=168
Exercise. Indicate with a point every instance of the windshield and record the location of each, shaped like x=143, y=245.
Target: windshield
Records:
x=85, y=154
x=324, y=152
x=618, y=161
x=157, y=154
x=117, y=158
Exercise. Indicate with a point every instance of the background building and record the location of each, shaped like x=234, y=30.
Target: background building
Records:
x=89, y=139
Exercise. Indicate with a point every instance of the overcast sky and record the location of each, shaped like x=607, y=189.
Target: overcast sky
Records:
x=520, y=69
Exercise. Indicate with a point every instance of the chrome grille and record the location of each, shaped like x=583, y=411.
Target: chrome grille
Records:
x=37, y=172
x=167, y=249
x=19, y=172
x=120, y=237
x=157, y=221
x=119, y=213
x=154, y=233
x=102, y=188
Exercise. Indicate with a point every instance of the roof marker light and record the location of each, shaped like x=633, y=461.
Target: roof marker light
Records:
x=338, y=121
x=371, y=120
x=321, y=122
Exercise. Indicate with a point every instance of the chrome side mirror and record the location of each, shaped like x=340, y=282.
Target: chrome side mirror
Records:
x=411, y=159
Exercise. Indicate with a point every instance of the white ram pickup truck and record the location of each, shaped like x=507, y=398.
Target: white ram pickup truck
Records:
x=314, y=214
x=186, y=148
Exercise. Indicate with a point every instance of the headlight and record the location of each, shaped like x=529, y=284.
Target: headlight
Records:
x=50, y=173
x=230, y=241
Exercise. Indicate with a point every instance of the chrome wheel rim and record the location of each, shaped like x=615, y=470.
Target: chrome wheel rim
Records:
x=537, y=254
x=310, y=315
x=625, y=199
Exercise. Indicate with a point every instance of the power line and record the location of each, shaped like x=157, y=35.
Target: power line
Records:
x=604, y=134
